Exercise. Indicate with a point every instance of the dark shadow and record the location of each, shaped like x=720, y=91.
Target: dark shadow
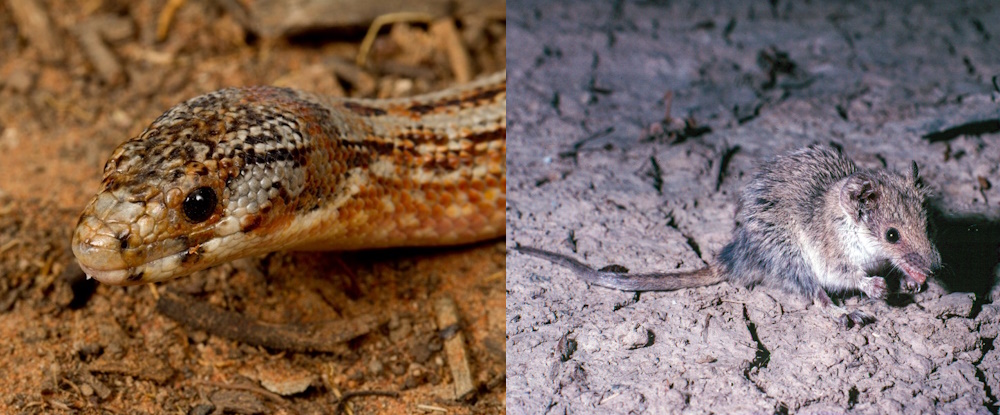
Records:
x=83, y=288
x=970, y=252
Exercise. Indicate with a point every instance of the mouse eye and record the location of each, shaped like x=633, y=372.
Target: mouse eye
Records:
x=892, y=235
x=199, y=204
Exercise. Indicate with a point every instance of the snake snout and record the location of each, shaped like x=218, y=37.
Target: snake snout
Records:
x=99, y=251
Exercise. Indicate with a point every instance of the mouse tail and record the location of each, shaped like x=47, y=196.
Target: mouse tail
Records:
x=622, y=280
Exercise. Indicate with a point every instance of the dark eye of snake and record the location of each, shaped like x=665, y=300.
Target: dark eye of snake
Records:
x=199, y=204
x=892, y=235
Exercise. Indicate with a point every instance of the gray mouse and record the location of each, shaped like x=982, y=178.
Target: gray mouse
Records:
x=810, y=221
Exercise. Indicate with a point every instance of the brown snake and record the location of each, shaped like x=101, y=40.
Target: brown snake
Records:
x=246, y=171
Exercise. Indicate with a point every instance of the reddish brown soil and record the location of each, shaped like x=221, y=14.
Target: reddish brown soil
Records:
x=66, y=350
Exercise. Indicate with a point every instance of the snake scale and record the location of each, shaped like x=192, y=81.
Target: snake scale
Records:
x=246, y=171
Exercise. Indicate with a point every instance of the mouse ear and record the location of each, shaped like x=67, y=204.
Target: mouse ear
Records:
x=915, y=178
x=859, y=194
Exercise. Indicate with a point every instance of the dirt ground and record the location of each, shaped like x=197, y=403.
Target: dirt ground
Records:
x=633, y=127
x=79, y=77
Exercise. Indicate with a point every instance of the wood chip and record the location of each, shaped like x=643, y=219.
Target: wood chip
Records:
x=231, y=401
x=99, y=387
x=90, y=35
x=458, y=56
x=281, y=377
x=431, y=408
x=454, y=347
x=145, y=367
x=34, y=24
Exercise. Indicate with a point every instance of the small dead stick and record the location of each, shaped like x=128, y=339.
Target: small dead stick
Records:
x=454, y=347
x=327, y=337
x=248, y=388
x=727, y=156
x=577, y=145
x=676, y=130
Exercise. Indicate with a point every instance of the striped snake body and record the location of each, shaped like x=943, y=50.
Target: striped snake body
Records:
x=246, y=171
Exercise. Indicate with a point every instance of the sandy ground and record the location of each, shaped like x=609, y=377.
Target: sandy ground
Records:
x=596, y=173
x=79, y=77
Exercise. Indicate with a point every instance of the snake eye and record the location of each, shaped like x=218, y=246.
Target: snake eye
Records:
x=892, y=235
x=199, y=204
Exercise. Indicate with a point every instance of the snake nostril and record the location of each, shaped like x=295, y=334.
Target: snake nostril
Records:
x=123, y=240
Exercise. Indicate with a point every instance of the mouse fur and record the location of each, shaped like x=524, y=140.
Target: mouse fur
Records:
x=809, y=222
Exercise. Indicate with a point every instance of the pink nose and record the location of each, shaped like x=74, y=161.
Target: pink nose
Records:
x=915, y=275
x=915, y=267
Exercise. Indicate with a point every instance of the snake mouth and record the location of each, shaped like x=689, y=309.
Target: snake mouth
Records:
x=108, y=264
x=111, y=266
x=103, y=256
x=107, y=276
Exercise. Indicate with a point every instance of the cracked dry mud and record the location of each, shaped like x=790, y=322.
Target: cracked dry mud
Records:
x=594, y=173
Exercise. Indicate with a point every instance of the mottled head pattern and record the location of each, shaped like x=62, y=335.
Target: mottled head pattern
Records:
x=892, y=209
x=213, y=166
x=239, y=172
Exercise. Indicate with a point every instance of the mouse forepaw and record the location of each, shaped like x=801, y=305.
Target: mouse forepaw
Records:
x=855, y=318
x=875, y=287
x=910, y=286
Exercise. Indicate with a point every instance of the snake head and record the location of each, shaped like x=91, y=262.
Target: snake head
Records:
x=246, y=171
x=204, y=174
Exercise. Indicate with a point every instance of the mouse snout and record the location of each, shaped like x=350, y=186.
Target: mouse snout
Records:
x=917, y=267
